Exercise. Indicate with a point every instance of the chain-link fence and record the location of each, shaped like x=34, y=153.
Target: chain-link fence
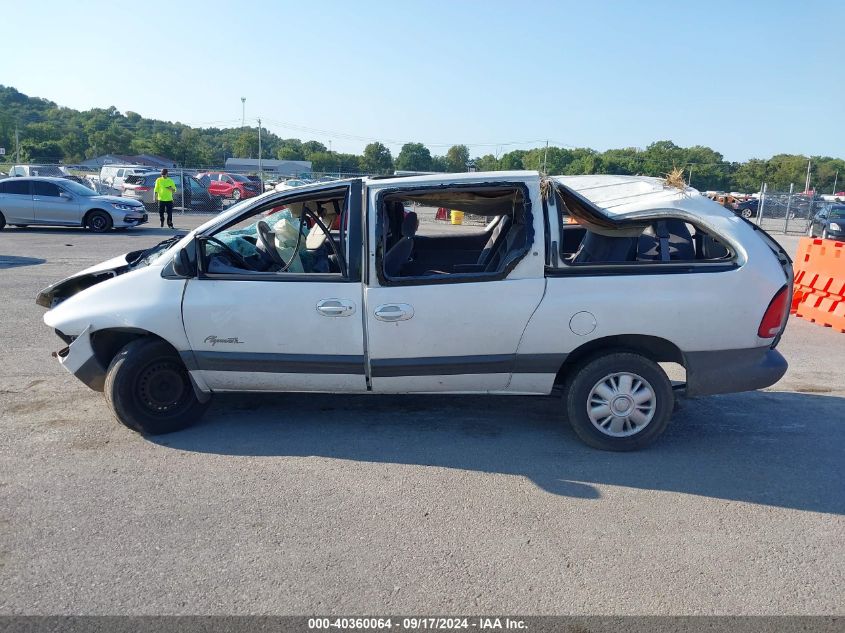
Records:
x=786, y=212
x=203, y=190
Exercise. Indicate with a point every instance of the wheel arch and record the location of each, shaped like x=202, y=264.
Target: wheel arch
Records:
x=107, y=342
x=654, y=348
x=88, y=213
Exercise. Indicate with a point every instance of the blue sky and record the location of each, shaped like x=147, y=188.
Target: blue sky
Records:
x=749, y=79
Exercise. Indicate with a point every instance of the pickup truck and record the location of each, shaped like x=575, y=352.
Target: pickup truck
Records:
x=578, y=287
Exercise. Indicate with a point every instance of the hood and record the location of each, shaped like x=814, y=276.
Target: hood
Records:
x=53, y=295
x=119, y=200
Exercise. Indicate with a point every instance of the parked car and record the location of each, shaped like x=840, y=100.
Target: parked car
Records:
x=197, y=198
x=233, y=186
x=62, y=202
x=747, y=208
x=530, y=303
x=257, y=180
x=290, y=184
x=38, y=170
x=829, y=223
x=113, y=176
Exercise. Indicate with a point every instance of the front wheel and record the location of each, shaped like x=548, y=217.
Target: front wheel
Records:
x=98, y=222
x=236, y=194
x=747, y=213
x=619, y=401
x=148, y=389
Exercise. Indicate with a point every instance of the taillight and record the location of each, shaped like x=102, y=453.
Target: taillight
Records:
x=775, y=315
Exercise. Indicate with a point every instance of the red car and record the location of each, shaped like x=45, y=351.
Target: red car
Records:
x=232, y=186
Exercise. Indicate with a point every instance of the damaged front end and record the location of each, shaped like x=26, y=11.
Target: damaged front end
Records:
x=80, y=360
x=53, y=295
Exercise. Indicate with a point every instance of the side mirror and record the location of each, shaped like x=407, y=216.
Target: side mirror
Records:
x=182, y=264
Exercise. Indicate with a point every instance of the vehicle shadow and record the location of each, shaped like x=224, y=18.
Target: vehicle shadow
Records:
x=772, y=448
x=12, y=261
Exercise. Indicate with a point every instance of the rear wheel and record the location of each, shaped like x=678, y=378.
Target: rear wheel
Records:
x=619, y=401
x=236, y=194
x=747, y=213
x=148, y=389
x=98, y=221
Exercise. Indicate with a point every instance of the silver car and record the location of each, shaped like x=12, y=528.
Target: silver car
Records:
x=62, y=202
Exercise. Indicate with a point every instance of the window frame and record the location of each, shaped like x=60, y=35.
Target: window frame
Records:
x=450, y=278
x=654, y=267
x=16, y=179
x=352, y=254
x=35, y=184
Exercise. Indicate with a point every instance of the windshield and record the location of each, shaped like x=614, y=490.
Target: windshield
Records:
x=148, y=256
x=79, y=190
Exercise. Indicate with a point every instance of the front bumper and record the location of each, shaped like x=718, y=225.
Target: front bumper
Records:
x=135, y=219
x=732, y=371
x=79, y=359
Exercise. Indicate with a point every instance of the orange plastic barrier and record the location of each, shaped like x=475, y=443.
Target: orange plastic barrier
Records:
x=819, y=291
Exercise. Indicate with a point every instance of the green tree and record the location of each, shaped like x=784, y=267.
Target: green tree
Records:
x=376, y=159
x=312, y=147
x=414, y=157
x=512, y=160
x=457, y=158
x=488, y=162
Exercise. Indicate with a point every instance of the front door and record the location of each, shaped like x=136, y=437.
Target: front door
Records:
x=435, y=326
x=295, y=330
x=51, y=207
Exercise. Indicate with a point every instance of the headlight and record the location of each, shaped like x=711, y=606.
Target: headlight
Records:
x=835, y=227
x=120, y=206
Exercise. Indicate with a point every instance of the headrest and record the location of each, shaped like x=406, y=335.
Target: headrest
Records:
x=410, y=225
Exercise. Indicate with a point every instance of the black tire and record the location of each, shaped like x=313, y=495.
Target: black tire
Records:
x=148, y=389
x=236, y=194
x=98, y=222
x=2, y=221
x=747, y=213
x=592, y=373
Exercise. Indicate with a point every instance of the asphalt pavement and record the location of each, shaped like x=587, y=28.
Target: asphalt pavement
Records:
x=303, y=504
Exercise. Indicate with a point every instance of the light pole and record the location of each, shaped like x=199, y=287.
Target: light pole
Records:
x=260, y=170
x=243, y=112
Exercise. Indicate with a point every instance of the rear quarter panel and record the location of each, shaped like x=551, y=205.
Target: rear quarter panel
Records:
x=698, y=311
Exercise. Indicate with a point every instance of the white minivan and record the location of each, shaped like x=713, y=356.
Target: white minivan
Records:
x=577, y=286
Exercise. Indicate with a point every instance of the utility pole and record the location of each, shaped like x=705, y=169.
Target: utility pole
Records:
x=17, y=146
x=807, y=184
x=689, y=180
x=260, y=170
x=835, y=179
x=545, y=156
x=243, y=112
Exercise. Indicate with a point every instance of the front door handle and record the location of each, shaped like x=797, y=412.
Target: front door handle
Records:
x=336, y=307
x=394, y=312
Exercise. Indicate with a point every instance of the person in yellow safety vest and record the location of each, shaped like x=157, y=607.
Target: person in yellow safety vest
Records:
x=163, y=192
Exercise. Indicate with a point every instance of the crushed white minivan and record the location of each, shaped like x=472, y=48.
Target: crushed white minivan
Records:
x=582, y=287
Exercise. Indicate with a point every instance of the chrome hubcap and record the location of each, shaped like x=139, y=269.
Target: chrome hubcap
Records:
x=621, y=404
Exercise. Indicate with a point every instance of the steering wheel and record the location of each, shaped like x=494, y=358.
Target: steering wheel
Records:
x=268, y=241
x=235, y=254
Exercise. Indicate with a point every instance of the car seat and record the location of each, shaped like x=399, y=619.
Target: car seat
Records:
x=602, y=249
x=400, y=253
